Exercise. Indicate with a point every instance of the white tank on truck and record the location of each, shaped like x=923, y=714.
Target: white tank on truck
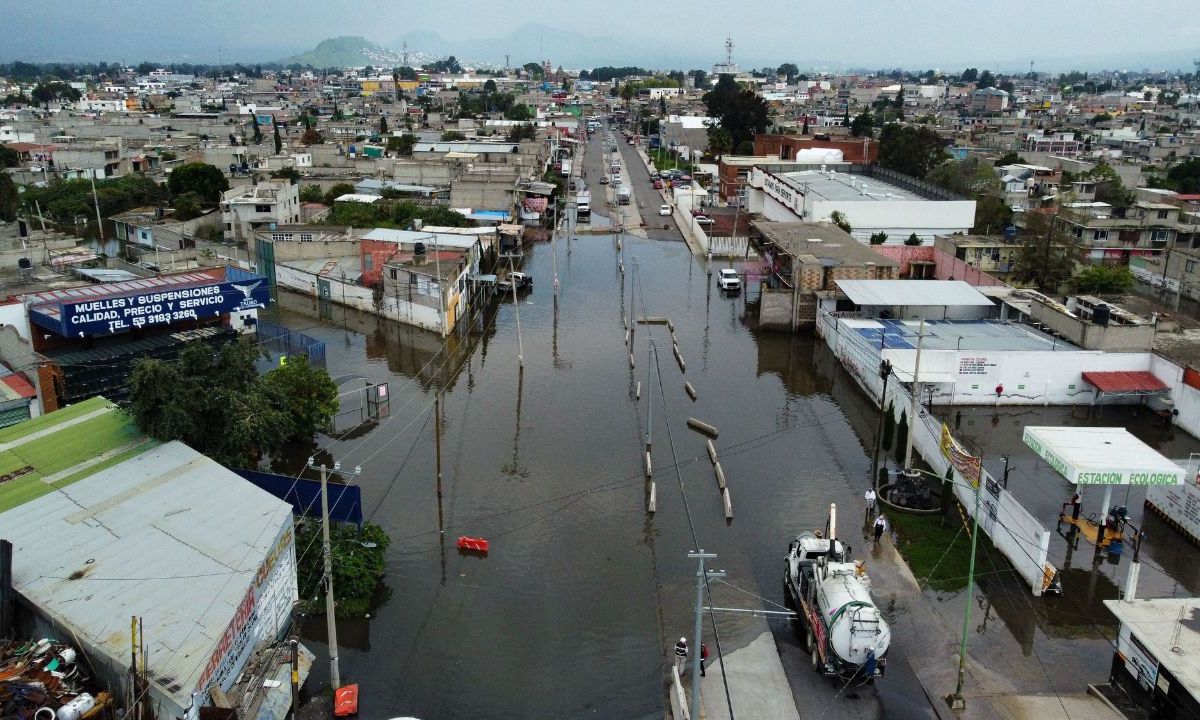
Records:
x=844, y=632
x=623, y=195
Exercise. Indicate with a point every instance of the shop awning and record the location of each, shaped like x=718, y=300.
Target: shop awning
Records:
x=1125, y=383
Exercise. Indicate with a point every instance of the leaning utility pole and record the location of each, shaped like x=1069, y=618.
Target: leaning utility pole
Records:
x=335, y=678
x=702, y=576
x=912, y=407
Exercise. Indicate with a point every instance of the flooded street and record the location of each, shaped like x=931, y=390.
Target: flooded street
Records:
x=574, y=611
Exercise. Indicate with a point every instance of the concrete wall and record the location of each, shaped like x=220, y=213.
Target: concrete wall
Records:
x=1028, y=377
x=360, y=298
x=1013, y=530
x=424, y=173
x=1090, y=336
x=487, y=194
x=316, y=250
x=775, y=310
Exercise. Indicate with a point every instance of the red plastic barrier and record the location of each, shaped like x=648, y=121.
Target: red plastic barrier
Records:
x=470, y=543
x=345, y=701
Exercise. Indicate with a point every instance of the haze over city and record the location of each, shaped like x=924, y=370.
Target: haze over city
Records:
x=855, y=33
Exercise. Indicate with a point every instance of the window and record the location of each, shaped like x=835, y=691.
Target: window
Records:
x=1162, y=214
x=262, y=208
x=228, y=226
x=1189, y=267
x=1099, y=234
x=1159, y=235
x=281, y=237
x=393, y=271
x=306, y=237
x=368, y=262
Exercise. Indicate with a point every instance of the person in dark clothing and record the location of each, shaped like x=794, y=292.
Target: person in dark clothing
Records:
x=681, y=652
x=880, y=526
x=703, y=657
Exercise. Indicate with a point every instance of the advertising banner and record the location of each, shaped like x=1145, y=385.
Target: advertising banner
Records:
x=963, y=461
x=110, y=315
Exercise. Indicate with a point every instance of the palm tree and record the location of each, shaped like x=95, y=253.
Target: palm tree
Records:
x=627, y=94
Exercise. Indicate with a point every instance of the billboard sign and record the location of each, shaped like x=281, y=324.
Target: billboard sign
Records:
x=111, y=315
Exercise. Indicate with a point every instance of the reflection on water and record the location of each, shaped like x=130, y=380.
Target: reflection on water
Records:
x=574, y=610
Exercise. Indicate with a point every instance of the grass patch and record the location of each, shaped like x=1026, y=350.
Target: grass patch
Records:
x=923, y=542
x=664, y=159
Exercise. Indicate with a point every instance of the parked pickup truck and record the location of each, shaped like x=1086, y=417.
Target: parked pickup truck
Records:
x=728, y=281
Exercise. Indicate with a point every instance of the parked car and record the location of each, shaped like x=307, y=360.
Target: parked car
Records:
x=603, y=179
x=658, y=185
x=704, y=220
x=664, y=209
x=728, y=280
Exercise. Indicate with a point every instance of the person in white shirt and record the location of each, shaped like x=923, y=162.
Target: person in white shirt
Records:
x=869, y=496
x=880, y=526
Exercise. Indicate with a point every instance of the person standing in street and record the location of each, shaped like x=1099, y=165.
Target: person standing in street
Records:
x=869, y=497
x=681, y=653
x=880, y=526
x=703, y=657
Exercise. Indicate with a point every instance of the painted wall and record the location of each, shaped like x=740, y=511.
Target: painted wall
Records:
x=360, y=298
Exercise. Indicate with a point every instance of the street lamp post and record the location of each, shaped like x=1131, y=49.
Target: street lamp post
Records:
x=885, y=371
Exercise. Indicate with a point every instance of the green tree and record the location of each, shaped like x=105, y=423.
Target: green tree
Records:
x=719, y=141
x=383, y=126
x=47, y=92
x=968, y=177
x=256, y=129
x=8, y=157
x=837, y=217
x=879, y=238
x=289, y=173
x=518, y=112
x=307, y=396
x=203, y=180
x=986, y=79
x=911, y=150
x=627, y=93
x=211, y=400
x=992, y=215
x=1046, y=256
x=1102, y=279
x=402, y=145
x=489, y=86
x=912, y=239
x=311, y=137
x=534, y=69
x=1184, y=177
x=789, y=71
x=1009, y=158
x=278, y=140
x=742, y=113
x=311, y=194
x=338, y=190
x=9, y=198
x=358, y=566
x=862, y=125
x=1109, y=188
x=187, y=206
x=453, y=136
x=970, y=75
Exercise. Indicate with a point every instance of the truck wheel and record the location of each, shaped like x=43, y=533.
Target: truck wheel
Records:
x=816, y=659
x=810, y=643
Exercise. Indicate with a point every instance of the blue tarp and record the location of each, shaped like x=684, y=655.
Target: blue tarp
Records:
x=345, y=501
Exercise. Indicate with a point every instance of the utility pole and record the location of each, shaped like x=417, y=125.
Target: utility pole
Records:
x=437, y=434
x=1004, y=482
x=99, y=220
x=701, y=581
x=957, y=702
x=517, y=309
x=885, y=370
x=912, y=408
x=649, y=389
x=335, y=678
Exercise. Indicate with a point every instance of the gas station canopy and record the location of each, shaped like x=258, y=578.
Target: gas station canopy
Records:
x=1101, y=456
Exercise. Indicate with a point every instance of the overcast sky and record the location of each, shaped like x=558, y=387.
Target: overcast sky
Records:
x=999, y=34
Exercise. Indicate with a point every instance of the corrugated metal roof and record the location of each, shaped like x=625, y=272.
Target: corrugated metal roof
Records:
x=170, y=536
x=912, y=293
x=432, y=239
x=1124, y=382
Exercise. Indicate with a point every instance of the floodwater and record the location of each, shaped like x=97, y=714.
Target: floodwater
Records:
x=583, y=593
x=574, y=610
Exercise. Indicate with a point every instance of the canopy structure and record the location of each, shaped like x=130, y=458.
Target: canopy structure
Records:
x=1125, y=383
x=892, y=293
x=1101, y=456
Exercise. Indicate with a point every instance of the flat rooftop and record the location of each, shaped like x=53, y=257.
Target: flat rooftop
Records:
x=825, y=241
x=955, y=335
x=842, y=187
x=1168, y=628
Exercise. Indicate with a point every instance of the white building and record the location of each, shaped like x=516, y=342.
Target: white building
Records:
x=898, y=206
x=250, y=207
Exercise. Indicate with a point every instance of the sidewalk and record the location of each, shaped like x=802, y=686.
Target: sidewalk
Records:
x=680, y=221
x=927, y=633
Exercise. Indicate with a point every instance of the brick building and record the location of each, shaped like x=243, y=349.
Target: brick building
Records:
x=860, y=151
x=806, y=258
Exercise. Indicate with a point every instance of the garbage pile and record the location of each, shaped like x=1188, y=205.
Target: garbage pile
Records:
x=47, y=680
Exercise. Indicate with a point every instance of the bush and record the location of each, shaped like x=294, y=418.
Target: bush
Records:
x=879, y=238
x=187, y=206
x=337, y=191
x=311, y=194
x=1101, y=279
x=357, y=570
x=205, y=181
x=913, y=240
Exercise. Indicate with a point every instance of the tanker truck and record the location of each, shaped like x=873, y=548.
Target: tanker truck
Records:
x=844, y=632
